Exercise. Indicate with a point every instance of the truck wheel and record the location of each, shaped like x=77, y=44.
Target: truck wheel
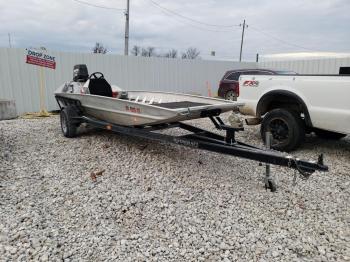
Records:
x=329, y=134
x=230, y=95
x=287, y=129
x=69, y=125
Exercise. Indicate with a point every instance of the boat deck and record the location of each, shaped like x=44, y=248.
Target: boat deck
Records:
x=182, y=104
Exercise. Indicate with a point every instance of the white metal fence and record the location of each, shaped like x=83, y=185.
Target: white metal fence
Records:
x=310, y=66
x=20, y=81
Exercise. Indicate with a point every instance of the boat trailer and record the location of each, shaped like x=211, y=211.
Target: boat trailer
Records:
x=202, y=139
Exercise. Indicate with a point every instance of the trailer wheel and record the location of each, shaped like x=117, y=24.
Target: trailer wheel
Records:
x=287, y=129
x=329, y=134
x=69, y=125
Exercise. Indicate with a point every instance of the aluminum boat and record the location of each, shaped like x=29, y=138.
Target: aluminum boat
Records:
x=109, y=103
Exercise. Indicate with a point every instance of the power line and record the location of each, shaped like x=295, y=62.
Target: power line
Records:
x=98, y=6
x=117, y=9
x=189, y=18
x=278, y=39
x=197, y=27
x=193, y=25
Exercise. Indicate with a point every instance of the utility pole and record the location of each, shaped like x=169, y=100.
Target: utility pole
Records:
x=9, y=40
x=127, y=14
x=244, y=27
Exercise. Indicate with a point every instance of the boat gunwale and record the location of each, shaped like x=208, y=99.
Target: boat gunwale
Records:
x=224, y=103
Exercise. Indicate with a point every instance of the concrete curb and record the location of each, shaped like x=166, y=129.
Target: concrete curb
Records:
x=7, y=109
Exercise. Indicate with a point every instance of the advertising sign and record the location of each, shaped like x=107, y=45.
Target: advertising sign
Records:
x=40, y=59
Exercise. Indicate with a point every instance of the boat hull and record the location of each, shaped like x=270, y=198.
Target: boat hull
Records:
x=135, y=113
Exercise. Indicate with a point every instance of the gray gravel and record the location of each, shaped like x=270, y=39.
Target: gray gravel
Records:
x=163, y=202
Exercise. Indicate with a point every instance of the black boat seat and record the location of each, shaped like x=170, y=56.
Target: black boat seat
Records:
x=100, y=87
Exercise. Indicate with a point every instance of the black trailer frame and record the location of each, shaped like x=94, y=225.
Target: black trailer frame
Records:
x=203, y=139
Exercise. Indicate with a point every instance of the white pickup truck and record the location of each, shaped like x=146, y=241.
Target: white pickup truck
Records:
x=289, y=106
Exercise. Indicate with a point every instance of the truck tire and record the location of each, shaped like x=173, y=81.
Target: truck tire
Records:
x=329, y=134
x=287, y=129
x=69, y=125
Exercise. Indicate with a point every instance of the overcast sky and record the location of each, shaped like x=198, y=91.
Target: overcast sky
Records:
x=274, y=26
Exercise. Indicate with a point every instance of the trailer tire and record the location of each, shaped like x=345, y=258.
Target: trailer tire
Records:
x=69, y=125
x=325, y=134
x=287, y=129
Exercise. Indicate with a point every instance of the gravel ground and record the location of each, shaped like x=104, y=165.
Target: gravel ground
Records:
x=159, y=202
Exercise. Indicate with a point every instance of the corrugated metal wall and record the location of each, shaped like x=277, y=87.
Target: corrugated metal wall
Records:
x=20, y=81
x=311, y=66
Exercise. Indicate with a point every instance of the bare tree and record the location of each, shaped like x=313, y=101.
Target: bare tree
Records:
x=136, y=50
x=191, y=53
x=171, y=53
x=99, y=49
x=144, y=52
x=149, y=51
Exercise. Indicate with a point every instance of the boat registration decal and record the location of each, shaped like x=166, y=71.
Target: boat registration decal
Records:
x=133, y=109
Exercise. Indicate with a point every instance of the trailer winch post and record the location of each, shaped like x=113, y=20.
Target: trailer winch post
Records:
x=269, y=182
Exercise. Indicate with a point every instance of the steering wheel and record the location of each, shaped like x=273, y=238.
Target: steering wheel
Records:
x=96, y=75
